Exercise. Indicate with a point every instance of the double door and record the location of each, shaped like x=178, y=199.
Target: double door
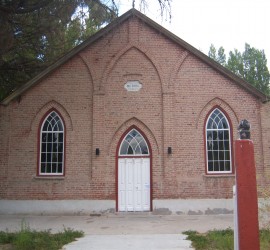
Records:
x=133, y=184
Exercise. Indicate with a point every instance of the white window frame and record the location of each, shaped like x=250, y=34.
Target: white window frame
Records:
x=52, y=132
x=217, y=130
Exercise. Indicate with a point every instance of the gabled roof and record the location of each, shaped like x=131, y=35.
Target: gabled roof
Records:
x=133, y=12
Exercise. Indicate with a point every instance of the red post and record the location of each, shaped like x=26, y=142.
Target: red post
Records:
x=247, y=201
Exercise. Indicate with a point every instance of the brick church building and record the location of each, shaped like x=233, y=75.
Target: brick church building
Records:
x=133, y=119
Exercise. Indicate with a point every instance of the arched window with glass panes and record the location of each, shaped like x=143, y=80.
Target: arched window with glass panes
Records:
x=134, y=144
x=51, y=158
x=218, y=143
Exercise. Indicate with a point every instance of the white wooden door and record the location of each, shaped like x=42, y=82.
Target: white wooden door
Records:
x=133, y=184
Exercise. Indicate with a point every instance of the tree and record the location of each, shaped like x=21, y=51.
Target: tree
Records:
x=35, y=33
x=219, y=56
x=251, y=65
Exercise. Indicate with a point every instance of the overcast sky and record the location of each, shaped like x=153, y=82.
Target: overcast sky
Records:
x=227, y=23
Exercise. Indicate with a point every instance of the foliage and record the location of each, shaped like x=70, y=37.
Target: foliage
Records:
x=213, y=240
x=164, y=5
x=27, y=239
x=222, y=239
x=251, y=65
x=264, y=239
x=35, y=33
x=219, y=56
x=264, y=203
x=199, y=241
x=6, y=237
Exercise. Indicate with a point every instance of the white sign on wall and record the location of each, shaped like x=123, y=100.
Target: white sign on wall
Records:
x=133, y=86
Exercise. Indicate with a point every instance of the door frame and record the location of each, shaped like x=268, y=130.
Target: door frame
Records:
x=148, y=156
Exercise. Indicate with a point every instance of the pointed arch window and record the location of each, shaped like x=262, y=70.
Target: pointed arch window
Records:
x=51, y=159
x=134, y=144
x=218, y=143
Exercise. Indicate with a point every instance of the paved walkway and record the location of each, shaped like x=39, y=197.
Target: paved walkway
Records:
x=128, y=231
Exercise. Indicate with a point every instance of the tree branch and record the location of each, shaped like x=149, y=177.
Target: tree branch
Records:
x=22, y=8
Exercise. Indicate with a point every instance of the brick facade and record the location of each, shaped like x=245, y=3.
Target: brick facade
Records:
x=179, y=89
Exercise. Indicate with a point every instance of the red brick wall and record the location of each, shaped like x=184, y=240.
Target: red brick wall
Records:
x=178, y=91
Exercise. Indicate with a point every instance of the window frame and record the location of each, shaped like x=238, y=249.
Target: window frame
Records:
x=40, y=132
x=230, y=132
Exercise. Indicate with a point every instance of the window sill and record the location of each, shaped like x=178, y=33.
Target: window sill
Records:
x=49, y=177
x=218, y=175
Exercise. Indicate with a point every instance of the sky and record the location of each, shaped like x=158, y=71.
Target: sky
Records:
x=226, y=23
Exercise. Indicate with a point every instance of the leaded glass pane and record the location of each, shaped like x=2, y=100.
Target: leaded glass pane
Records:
x=43, y=148
x=128, y=138
x=134, y=144
x=54, y=167
x=43, y=157
x=221, y=135
x=227, y=155
x=49, y=147
x=44, y=137
x=138, y=150
x=215, y=155
x=60, y=157
x=227, y=165
x=55, y=137
x=221, y=166
x=210, y=156
x=46, y=125
x=49, y=137
x=215, y=145
x=226, y=135
x=216, y=166
x=139, y=138
x=130, y=150
x=60, y=168
x=221, y=145
x=124, y=147
x=144, y=147
x=48, y=168
x=210, y=166
x=225, y=124
x=42, y=168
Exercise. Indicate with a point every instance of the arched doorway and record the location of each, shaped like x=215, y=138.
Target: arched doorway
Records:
x=133, y=168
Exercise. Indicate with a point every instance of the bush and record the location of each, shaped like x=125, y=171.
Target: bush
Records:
x=222, y=239
x=27, y=239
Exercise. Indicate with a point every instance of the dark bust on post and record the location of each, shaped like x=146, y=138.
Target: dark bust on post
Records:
x=244, y=130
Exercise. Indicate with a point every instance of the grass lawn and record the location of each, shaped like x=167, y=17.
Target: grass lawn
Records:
x=27, y=239
x=222, y=240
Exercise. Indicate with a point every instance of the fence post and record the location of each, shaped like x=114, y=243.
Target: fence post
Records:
x=246, y=189
x=236, y=247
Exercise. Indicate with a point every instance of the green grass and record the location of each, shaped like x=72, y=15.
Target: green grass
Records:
x=222, y=239
x=27, y=239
